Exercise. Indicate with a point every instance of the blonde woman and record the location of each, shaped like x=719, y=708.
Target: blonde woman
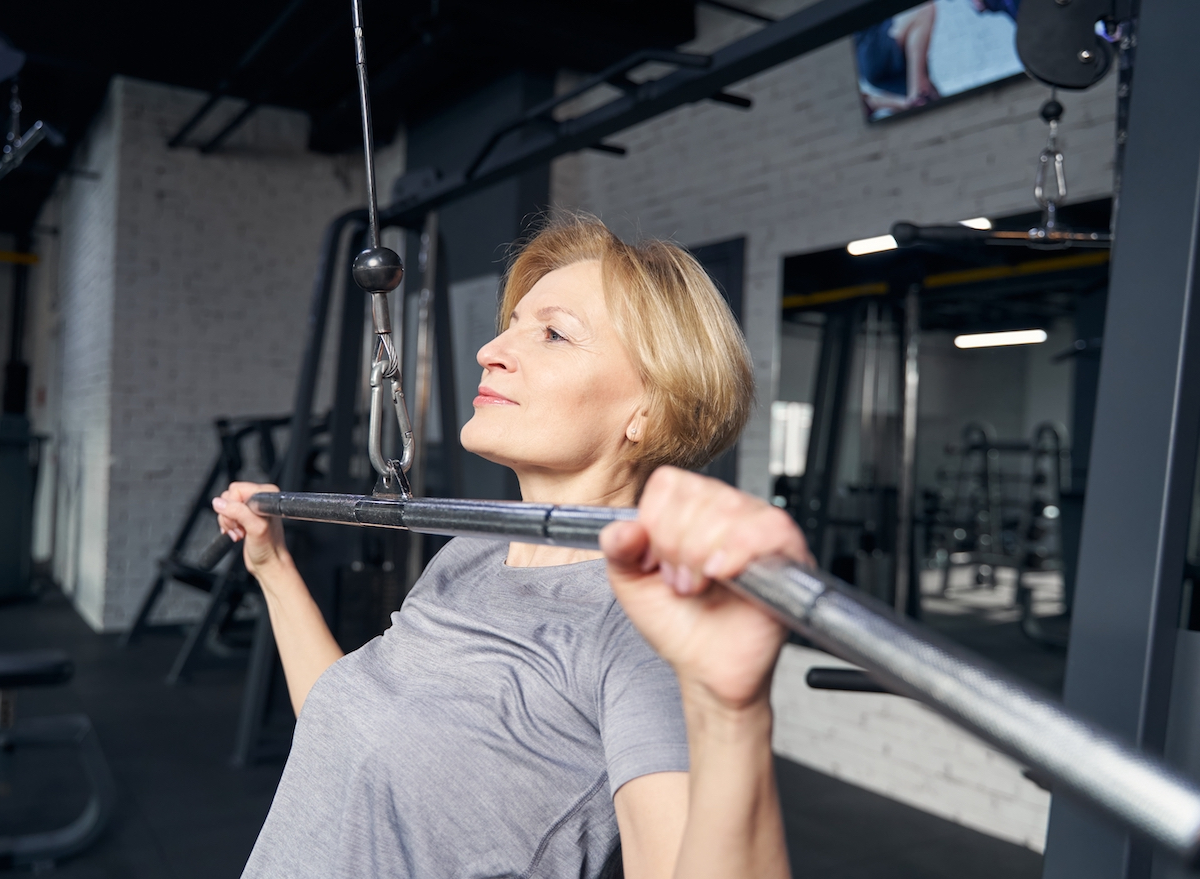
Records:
x=513, y=721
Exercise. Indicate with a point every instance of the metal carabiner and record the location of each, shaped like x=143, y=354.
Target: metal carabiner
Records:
x=1050, y=162
x=1050, y=157
x=392, y=478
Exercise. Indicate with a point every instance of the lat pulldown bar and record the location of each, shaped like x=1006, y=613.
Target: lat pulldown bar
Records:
x=1073, y=754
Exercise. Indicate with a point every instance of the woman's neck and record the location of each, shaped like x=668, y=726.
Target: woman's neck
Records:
x=588, y=488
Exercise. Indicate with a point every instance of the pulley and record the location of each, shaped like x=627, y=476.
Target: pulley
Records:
x=1058, y=43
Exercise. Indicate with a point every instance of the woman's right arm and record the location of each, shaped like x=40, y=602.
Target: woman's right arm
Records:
x=306, y=646
x=691, y=533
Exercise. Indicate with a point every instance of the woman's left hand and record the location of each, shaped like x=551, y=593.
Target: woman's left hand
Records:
x=692, y=531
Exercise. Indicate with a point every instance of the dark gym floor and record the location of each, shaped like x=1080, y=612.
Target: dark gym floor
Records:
x=185, y=812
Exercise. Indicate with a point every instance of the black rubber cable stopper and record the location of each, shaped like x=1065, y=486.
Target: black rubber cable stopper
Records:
x=1051, y=111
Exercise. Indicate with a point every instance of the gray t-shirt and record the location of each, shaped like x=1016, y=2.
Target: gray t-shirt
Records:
x=482, y=735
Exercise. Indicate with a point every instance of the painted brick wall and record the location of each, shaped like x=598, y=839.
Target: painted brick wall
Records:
x=902, y=750
x=799, y=172
x=87, y=228
x=206, y=265
x=42, y=331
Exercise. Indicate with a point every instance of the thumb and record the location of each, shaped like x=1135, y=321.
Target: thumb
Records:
x=625, y=545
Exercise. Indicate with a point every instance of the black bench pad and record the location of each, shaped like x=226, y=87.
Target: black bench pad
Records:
x=34, y=668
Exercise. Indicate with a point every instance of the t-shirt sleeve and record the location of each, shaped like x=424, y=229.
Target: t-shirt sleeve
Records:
x=641, y=714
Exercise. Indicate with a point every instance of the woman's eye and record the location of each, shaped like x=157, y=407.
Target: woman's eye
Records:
x=553, y=335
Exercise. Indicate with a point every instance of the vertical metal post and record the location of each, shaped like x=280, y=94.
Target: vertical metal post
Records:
x=829, y=415
x=868, y=452
x=16, y=370
x=443, y=345
x=423, y=384
x=256, y=694
x=424, y=378
x=908, y=450
x=347, y=380
x=1143, y=455
x=292, y=477
x=257, y=691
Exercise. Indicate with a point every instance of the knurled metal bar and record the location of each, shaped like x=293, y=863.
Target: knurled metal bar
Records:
x=1077, y=756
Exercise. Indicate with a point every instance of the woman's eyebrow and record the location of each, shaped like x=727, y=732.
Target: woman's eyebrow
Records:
x=550, y=310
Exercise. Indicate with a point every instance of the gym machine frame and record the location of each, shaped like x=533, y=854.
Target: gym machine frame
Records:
x=1072, y=754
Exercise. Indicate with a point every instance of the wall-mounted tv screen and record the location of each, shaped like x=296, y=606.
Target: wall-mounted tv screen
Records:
x=934, y=51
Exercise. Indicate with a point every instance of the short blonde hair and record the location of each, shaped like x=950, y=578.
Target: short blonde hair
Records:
x=675, y=325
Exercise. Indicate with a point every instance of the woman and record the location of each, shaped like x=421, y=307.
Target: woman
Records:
x=512, y=721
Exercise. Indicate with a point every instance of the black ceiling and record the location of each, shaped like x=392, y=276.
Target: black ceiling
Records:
x=422, y=54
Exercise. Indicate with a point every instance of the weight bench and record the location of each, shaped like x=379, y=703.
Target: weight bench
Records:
x=47, y=668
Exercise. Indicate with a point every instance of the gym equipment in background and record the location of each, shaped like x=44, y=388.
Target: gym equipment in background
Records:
x=1049, y=191
x=226, y=467
x=17, y=145
x=45, y=668
x=1000, y=506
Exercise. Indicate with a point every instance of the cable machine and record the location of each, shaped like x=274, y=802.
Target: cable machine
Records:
x=1075, y=755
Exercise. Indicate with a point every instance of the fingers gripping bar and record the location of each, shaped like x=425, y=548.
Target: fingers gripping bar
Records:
x=1137, y=790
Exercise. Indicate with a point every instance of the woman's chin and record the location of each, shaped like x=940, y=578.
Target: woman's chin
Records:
x=479, y=441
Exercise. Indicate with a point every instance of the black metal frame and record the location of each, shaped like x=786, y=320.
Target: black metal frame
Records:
x=813, y=27
x=1143, y=453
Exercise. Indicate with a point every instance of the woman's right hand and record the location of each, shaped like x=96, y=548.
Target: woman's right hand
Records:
x=666, y=568
x=264, y=545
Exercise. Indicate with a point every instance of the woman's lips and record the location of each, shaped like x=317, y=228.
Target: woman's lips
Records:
x=488, y=397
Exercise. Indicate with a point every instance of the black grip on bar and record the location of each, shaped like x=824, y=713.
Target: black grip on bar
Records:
x=212, y=554
x=908, y=234
x=849, y=679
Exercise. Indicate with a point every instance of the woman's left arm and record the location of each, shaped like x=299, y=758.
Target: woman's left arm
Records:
x=722, y=818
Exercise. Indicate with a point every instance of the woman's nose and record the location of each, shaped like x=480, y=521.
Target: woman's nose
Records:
x=496, y=355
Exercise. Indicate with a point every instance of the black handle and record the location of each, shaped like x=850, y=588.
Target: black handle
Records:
x=820, y=678
x=212, y=554
x=908, y=234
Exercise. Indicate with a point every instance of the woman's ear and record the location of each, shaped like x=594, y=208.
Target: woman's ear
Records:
x=635, y=431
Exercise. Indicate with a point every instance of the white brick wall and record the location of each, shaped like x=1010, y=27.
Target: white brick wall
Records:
x=185, y=286
x=800, y=172
x=87, y=295
x=900, y=749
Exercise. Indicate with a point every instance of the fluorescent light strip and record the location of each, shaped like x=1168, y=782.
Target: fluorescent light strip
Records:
x=995, y=340
x=871, y=245
x=980, y=223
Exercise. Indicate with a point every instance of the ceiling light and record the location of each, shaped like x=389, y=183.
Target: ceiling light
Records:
x=994, y=340
x=871, y=245
x=981, y=223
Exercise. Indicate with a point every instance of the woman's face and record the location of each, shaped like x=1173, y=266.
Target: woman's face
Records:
x=559, y=395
